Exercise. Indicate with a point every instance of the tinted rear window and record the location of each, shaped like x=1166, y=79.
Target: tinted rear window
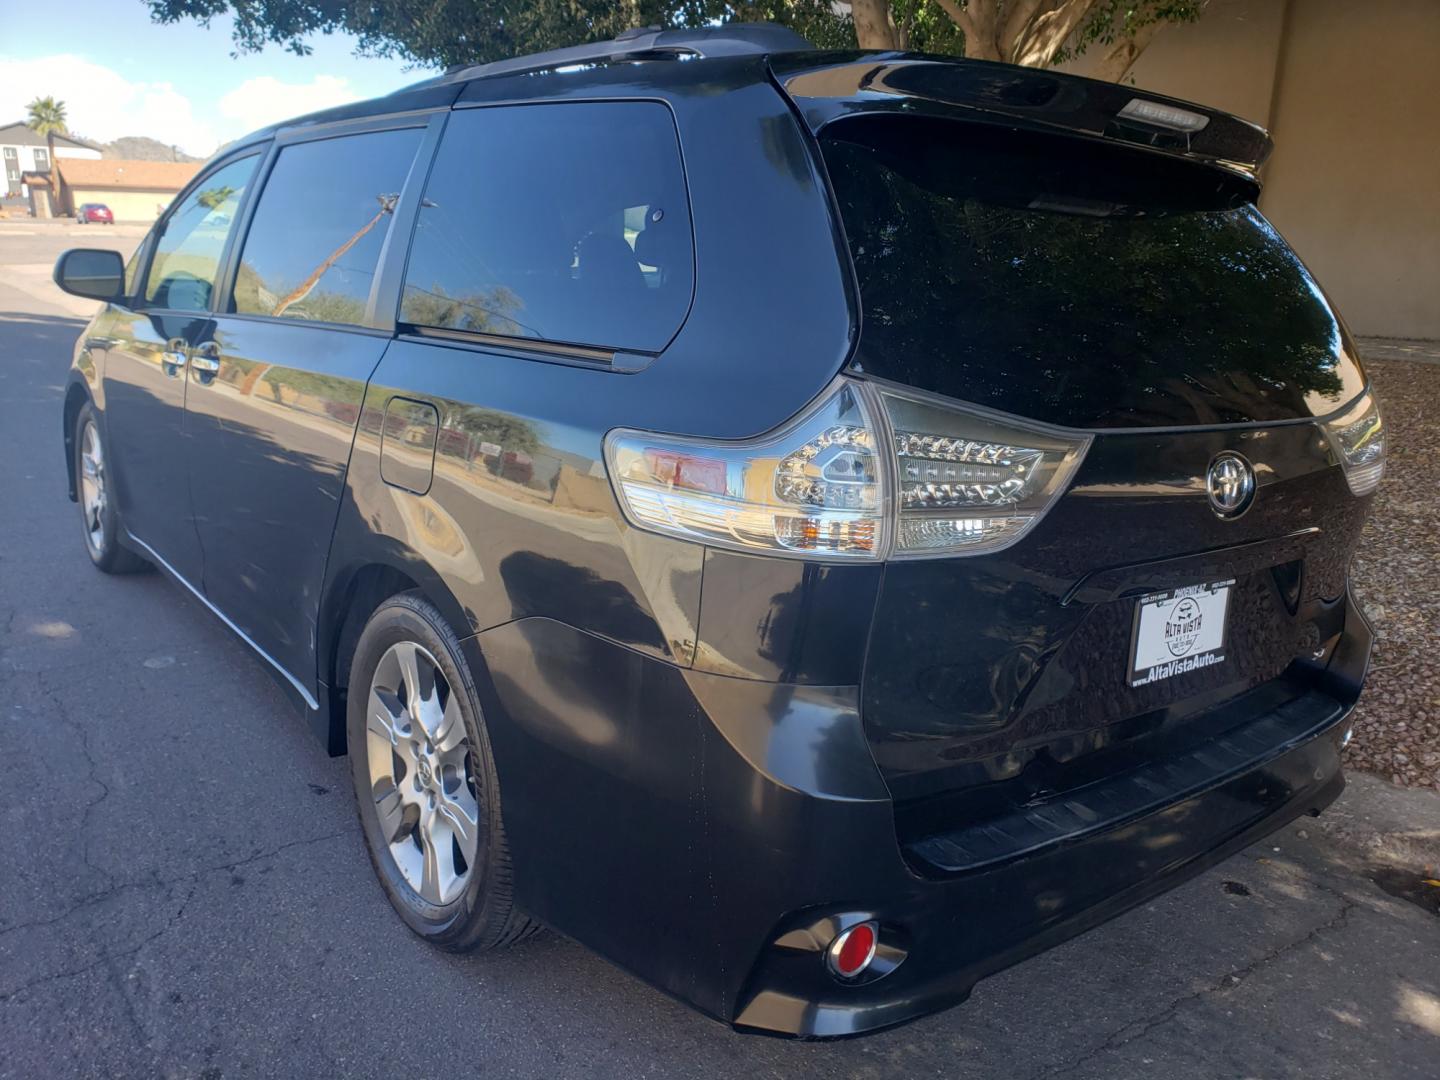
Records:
x=1075, y=282
x=316, y=236
x=567, y=223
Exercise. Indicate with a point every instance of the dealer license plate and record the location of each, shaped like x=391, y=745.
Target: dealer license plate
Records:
x=1178, y=631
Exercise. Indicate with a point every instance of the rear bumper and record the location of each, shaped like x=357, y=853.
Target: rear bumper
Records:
x=724, y=829
x=958, y=931
x=975, y=909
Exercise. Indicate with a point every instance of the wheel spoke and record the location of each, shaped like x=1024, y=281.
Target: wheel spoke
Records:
x=449, y=732
x=407, y=656
x=390, y=809
x=385, y=738
x=432, y=871
x=384, y=716
x=462, y=816
x=408, y=859
x=424, y=703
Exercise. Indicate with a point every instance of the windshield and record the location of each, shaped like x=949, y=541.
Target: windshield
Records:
x=1076, y=282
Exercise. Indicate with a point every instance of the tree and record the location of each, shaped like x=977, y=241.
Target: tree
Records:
x=435, y=32
x=47, y=117
x=1035, y=33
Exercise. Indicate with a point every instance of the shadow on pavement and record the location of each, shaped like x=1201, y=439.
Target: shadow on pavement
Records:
x=22, y=319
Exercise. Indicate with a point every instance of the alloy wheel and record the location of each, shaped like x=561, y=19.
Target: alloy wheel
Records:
x=421, y=774
x=92, y=485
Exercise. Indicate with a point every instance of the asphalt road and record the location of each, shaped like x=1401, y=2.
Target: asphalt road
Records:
x=183, y=890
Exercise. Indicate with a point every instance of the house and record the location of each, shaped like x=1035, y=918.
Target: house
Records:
x=24, y=151
x=134, y=190
x=1351, y=95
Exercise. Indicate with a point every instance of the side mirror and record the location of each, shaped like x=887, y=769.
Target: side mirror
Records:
x=91, y=273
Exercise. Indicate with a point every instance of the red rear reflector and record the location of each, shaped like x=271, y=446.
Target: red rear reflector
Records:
x=851, y=952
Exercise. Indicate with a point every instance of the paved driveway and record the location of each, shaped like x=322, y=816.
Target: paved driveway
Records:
x=183, y=890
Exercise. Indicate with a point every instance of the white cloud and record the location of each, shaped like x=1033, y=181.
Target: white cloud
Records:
x=266, y=100
x=102, y=104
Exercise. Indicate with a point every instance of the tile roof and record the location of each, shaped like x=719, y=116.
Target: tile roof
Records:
x=117, y=173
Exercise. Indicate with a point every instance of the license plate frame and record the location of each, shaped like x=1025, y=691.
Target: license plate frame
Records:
x=1178, y=631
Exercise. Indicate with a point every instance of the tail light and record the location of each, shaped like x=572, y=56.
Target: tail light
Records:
x=1357, y=438
x=970, y=481
x=865, y=473
x=812, y=488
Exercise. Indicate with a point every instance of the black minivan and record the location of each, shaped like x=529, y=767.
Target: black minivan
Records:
x=816, y=528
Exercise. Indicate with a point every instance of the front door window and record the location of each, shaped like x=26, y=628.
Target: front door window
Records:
x=187, y=254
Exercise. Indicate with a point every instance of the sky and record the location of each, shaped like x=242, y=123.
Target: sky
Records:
x=118, y=74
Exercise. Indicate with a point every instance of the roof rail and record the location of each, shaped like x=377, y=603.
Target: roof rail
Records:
x=729, y=39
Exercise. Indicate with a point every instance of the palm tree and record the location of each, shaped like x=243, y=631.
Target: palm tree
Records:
x=47, y=117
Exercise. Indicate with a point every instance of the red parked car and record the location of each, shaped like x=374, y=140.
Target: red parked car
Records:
x=94, y=212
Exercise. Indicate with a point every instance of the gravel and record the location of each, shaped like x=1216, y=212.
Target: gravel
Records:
x=1397, y=723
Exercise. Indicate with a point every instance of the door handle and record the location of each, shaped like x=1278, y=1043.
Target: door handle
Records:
x=174, y=358
x=205, y=363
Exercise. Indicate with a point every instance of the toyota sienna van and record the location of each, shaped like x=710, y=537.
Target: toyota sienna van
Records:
x=816, y=528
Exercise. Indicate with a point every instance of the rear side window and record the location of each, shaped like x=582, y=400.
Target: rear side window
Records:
x=187, y=254
x=567, y=223
x=316, y=234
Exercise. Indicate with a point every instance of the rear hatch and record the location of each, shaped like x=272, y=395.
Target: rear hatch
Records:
x=1132, y=294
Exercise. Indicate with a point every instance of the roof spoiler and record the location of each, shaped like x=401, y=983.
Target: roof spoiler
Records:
x=826, y=86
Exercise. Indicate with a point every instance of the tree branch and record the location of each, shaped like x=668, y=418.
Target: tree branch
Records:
x=1018, y=15
x=979, y=30
x=1048, y=31
x=873, y=26
x=1121, y=56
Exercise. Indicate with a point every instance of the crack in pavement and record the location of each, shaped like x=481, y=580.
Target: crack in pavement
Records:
x=112, y=888
x=106, y=957
x=1229, y=981
x=194, y=878
x=109, y=958
x=95, y=899
x=52, y=695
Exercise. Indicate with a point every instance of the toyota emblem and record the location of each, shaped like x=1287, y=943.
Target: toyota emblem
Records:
x=1230, y=483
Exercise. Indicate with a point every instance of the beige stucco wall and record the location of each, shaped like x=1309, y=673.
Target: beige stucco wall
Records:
x=1351, y=94
x=1227, y=60
x=125, y=205
x=1354, y=183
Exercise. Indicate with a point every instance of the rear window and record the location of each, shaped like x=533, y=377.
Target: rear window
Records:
x=1074, y=282
x=565, y=223
x=316, y=235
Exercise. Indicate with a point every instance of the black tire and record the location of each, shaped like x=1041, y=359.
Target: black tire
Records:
x=102, y=533
x=484, y=915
